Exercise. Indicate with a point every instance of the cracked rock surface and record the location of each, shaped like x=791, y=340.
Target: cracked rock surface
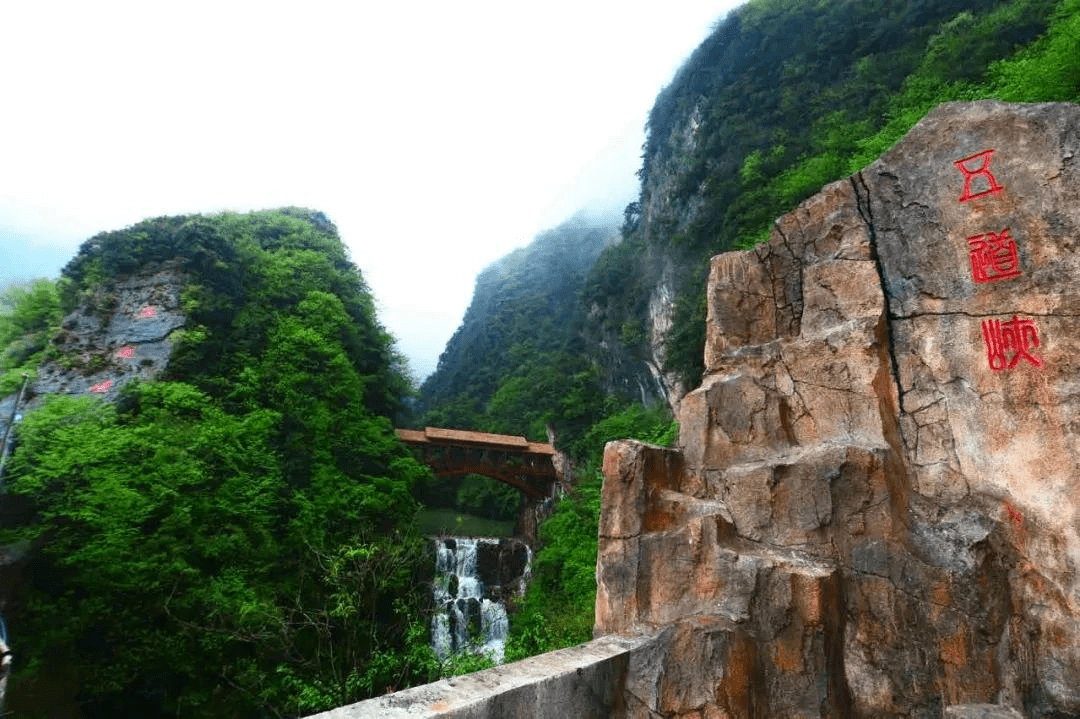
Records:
x=123, y=333
x=874, y=508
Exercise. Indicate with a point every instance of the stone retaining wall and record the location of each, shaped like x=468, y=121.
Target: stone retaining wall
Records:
x=585, y=681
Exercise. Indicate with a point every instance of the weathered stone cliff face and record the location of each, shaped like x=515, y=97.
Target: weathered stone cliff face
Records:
x=875, y=507
x=123, y=332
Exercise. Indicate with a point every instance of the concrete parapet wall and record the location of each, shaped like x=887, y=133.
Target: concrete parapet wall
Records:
x=583, y=681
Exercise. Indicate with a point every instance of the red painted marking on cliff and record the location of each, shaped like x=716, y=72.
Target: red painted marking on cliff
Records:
x=102, y=386
x=126, y=352
x=1016, y=336
x=1014, y=515
x=973, y=173
x=148, y=312
x=993, y=256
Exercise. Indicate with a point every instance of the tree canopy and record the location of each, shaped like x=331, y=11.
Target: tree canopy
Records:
x=234, y=539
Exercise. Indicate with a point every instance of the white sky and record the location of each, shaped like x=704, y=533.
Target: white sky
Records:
x=438, y=136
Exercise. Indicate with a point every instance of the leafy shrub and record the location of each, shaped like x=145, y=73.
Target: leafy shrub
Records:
x=558, y=608
x=236, y=541
x=29, y=316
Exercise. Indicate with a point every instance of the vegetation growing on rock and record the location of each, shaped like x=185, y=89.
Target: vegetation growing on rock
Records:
x=782, y=98
x=234, y=540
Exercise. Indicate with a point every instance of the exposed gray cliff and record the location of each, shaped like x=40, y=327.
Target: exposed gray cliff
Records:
x=122, y=332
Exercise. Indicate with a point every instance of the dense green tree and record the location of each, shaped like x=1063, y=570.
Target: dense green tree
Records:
x=190, y=575
x=235, y=540
x=29, y=313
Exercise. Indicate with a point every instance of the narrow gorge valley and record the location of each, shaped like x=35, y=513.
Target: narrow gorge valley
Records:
x=807, y=409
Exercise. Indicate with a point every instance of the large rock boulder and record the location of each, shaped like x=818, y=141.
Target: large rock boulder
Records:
x=874, y=510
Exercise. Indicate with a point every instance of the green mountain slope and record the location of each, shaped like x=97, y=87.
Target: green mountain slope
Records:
x=232, y=539
x=784, y=97
x=518, y=362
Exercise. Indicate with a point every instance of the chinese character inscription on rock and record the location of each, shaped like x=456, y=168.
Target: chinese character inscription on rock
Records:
x=993, y=256
x=102, y=387
x=1009, y=342
x=977, y=167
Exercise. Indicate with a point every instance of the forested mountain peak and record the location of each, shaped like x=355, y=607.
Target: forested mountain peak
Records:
x=244, y=271
x=204, y=542
x=516, y=353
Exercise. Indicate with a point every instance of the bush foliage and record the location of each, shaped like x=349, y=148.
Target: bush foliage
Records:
x=234, y=540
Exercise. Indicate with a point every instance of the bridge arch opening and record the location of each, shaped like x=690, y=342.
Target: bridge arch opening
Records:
x=532, y=468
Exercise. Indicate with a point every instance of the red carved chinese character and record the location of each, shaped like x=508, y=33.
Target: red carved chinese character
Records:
x=126, y=352
x=148, y=312
x=982, y=170
x=102, y=386
x=1016, y=336
x=994, y=257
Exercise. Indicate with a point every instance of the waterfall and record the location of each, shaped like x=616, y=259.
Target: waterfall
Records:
x=472, y=577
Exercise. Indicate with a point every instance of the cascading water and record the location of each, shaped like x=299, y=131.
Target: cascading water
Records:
x=471, y=614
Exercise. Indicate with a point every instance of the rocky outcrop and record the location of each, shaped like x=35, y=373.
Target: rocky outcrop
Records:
x=874, y=510
x=503, y=566
x=661, y=319
x=122, y=332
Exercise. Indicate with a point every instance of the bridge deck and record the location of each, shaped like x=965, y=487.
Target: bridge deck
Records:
x=440, y=435
x=512, y=459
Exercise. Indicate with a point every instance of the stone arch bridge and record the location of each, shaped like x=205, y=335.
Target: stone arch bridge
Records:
x=533, y=468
